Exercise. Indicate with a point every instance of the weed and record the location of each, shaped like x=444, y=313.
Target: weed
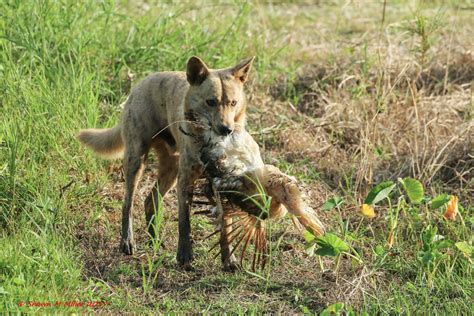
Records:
x=154, y=262
x=424, y=28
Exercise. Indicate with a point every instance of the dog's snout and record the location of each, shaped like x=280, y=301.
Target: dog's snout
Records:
x=224, y=130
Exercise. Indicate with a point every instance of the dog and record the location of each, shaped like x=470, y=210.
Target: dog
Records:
x=159, y=112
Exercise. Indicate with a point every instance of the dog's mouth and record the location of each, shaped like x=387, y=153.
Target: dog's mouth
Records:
x=205, y=123
x=216, y=132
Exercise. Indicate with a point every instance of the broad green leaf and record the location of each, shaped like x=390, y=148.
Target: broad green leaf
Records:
x=427, y=257
x=308, y=236
x=428, y=237
x=465, y=248
x=2, y=291
x=332, y=203
x=445, y=243
x=439, y=201
x=330, y=245
x=414, y=189
x=305, y=310
x=326, y=252
x=379, y=192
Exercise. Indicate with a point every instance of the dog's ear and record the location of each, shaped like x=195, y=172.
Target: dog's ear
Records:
x=241, y=70
x=196, y=71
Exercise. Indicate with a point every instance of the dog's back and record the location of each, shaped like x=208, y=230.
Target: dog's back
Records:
x=155, y=101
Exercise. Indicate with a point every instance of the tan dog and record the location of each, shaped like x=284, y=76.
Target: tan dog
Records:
x=157, y=114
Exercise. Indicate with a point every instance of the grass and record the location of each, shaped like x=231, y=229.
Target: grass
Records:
x=337, y=98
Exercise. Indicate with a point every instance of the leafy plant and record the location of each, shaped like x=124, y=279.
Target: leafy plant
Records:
x=332, y=203
x=431, y=255
x=439, y=201
x=414, y=189
x=432, y=244
x=339, y=308
x=379, y=192
x=424, y=28
x=329, y=245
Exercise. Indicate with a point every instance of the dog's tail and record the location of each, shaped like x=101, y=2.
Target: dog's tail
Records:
x=106, y=142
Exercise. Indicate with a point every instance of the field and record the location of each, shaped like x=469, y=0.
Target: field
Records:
x=343, y=95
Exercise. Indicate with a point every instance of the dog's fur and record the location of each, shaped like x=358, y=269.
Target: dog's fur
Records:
x=160, y=111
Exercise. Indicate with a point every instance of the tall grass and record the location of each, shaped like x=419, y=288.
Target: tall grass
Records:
x=66, y=65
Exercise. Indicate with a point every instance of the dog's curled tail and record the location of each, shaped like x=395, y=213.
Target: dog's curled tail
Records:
x=106, y=142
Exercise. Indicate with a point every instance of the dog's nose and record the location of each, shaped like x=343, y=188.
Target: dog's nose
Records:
x=224, y=130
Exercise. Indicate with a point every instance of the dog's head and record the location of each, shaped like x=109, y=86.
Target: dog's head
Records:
x=216, y=98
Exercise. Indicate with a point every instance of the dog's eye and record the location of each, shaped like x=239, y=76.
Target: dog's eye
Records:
x=211, y=102
x=233, y=103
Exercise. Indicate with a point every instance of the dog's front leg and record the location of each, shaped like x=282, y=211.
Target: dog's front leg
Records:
x=229, y=262
x=188, y=173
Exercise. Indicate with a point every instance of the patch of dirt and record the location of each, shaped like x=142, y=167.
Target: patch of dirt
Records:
x=295, y=279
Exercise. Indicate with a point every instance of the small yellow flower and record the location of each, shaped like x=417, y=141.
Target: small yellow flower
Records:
x=451, y=208
x=367, y=211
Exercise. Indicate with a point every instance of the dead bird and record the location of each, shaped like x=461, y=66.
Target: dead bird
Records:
x=247, y=192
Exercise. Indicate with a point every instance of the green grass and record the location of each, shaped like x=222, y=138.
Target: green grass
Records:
x=67, y=65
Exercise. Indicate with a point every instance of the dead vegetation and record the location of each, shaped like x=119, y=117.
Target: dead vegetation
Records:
x=381, y=112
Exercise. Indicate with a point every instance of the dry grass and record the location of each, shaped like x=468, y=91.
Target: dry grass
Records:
x=364, y=99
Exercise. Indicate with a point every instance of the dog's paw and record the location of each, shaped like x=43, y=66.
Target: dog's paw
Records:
x=185, y=255
x=231, y=265
x=127, y=246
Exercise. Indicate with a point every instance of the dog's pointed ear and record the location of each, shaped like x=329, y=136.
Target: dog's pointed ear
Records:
x=241, y=70
x=196, y=71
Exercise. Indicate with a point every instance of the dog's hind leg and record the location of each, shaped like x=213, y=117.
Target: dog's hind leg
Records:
x=133, y=164
x=167, y=172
